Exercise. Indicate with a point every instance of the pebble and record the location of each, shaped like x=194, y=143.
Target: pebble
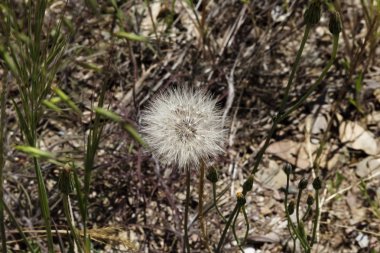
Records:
x=362, y=240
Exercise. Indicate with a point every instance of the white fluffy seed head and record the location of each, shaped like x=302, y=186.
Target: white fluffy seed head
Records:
x=183, y=127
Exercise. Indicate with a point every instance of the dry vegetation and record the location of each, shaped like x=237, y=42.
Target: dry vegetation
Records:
x=242, y=52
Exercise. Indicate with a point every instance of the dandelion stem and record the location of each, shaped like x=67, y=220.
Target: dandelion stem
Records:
x=186, y=244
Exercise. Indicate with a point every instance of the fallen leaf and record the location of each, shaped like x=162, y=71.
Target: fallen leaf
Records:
x=298, y=154
x=271, y=237
x=369, y=165
x=272, y=177
x=290, y=151
x=356, y=137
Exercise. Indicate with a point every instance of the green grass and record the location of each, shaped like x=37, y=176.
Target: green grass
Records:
x=33, y=58
x=34, y=66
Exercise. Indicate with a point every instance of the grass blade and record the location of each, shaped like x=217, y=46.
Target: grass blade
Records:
x=2, y=163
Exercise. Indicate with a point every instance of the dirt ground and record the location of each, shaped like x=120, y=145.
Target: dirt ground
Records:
x=242, y=52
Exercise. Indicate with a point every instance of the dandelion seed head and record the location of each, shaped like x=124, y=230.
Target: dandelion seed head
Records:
x=183, y=127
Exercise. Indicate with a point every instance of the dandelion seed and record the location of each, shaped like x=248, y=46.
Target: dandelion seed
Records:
x=183, y=127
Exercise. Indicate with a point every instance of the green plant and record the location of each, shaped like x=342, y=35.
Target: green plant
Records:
x=334, y=184
x=297, y=229
x=356, y=101
x=311, y=16
x=3, y=91
x=359, y=56
x=373, y=202
x=33, y=60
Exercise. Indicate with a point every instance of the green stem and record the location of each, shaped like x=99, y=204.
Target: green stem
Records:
x=247, y=225
x=147, y=4
x=186, y=244
x=261, y=152
x=317, y=83
x=295, y=67
x=316, y=218
x=70, y=220
x=316, y=163
x=216, y=202
x=228, y=224
x=294, y=244
x=44, y=204
x=234, y=230
x=78, y=189
x=91, y=148
x=306, y=213
x=2, y=163
x=225, y=221
x=6, y=27
x=290, y=222
x=298, y=206
x=18, y=227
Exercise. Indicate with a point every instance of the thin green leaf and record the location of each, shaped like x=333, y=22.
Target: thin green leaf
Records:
x=51, y=105
x=108, y=114
x=65, y=98
x=35, y=152
x=8, y=60
x=132, y=36
x=23, y=124
x=78, y=190
x=358, y=83
x=93, y=5
x=2, y=163
x=89, y=65
x=133, y=132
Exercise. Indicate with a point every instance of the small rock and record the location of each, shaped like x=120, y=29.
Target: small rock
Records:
x=362, y=240
x=251, y=250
